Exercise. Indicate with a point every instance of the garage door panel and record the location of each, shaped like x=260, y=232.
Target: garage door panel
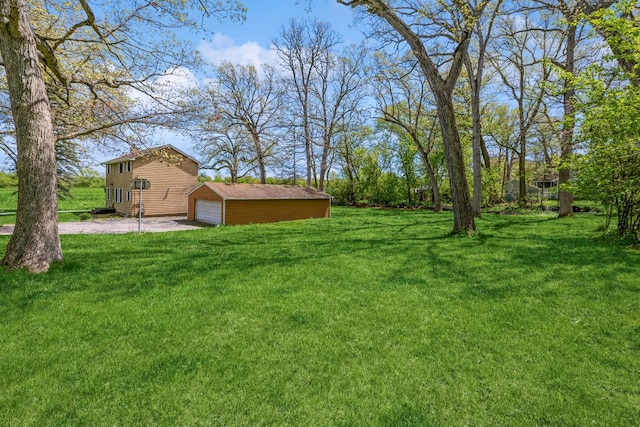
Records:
x=209, y=211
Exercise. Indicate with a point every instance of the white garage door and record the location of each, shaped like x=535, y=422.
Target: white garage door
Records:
x=209, y=211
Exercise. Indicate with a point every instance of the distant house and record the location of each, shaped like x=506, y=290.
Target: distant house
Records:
x=170, y=172
x=233, y=204
x=512, y=191
x=548, y=183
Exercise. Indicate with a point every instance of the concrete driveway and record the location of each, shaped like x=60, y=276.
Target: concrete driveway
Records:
x=121, y=225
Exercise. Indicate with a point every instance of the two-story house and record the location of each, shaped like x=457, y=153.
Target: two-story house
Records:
x=170, y=172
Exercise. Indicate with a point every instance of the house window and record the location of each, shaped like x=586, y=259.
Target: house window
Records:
x=128, y=166
x=120, y=167
x=108, y=191
x=118, y=194
x=128, y=196
x=108, y=169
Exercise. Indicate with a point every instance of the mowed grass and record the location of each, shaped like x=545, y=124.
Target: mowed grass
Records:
x=81, y=199
x=372, y=317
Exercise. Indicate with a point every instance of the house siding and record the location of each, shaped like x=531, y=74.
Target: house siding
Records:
x=170, y=184
x=261, y=211
x=170, y=181
x=237, y=211
x=115, y=180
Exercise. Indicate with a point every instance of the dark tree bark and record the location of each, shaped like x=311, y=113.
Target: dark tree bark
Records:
x=571, y=16
x=463, y=218
x=475, y=83
x=35, y=242
x=565, y=198
x=442, y=88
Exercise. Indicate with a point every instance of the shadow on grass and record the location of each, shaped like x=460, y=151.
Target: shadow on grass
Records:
x=399, y=248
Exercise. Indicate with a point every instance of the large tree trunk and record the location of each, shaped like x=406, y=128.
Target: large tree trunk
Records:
x=442, y=90
x=308, y=143
x=462, y=209
x=326, y=146
x=476, y=146
x=259, y=155
x=35, y=242
x=565, y=198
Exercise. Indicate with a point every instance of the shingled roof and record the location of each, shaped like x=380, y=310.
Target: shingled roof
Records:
x=263, y=191
x=148, y=152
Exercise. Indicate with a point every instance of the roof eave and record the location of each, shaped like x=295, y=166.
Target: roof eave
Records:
x=119, y=160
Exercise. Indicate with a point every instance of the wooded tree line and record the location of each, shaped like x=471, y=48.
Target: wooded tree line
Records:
x=447, y=102
x=444, y=95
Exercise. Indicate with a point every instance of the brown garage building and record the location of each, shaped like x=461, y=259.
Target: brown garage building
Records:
x=233, y=204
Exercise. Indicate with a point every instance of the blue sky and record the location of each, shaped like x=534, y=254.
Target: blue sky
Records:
x=264, y=19
x=249, y=42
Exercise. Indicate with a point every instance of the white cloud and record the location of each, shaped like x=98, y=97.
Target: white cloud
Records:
x=172, y=84
x=224, y=48
x=178, y=78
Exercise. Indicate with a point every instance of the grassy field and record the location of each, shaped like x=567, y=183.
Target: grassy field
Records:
x=82, y=199
x=372, y=317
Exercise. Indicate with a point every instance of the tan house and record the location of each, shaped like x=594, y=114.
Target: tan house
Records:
x=234, y=204
x=170, y=173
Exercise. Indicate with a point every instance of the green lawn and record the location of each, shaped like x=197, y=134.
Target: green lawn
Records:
x=373, y=317
x=82, y=199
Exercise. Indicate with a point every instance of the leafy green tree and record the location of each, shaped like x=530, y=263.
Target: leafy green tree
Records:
x=619, y=25
x=452, y=23
x=66, y=48
x=404, y=104
x=608, y=173
x=610, y=125
x=351, y=155
x=88, y=178
x=571, y=27
x=8, y=179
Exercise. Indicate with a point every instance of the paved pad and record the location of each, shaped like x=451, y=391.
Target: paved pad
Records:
x=120, y=226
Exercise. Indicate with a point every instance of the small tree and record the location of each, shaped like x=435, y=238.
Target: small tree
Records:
x=608, y=173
